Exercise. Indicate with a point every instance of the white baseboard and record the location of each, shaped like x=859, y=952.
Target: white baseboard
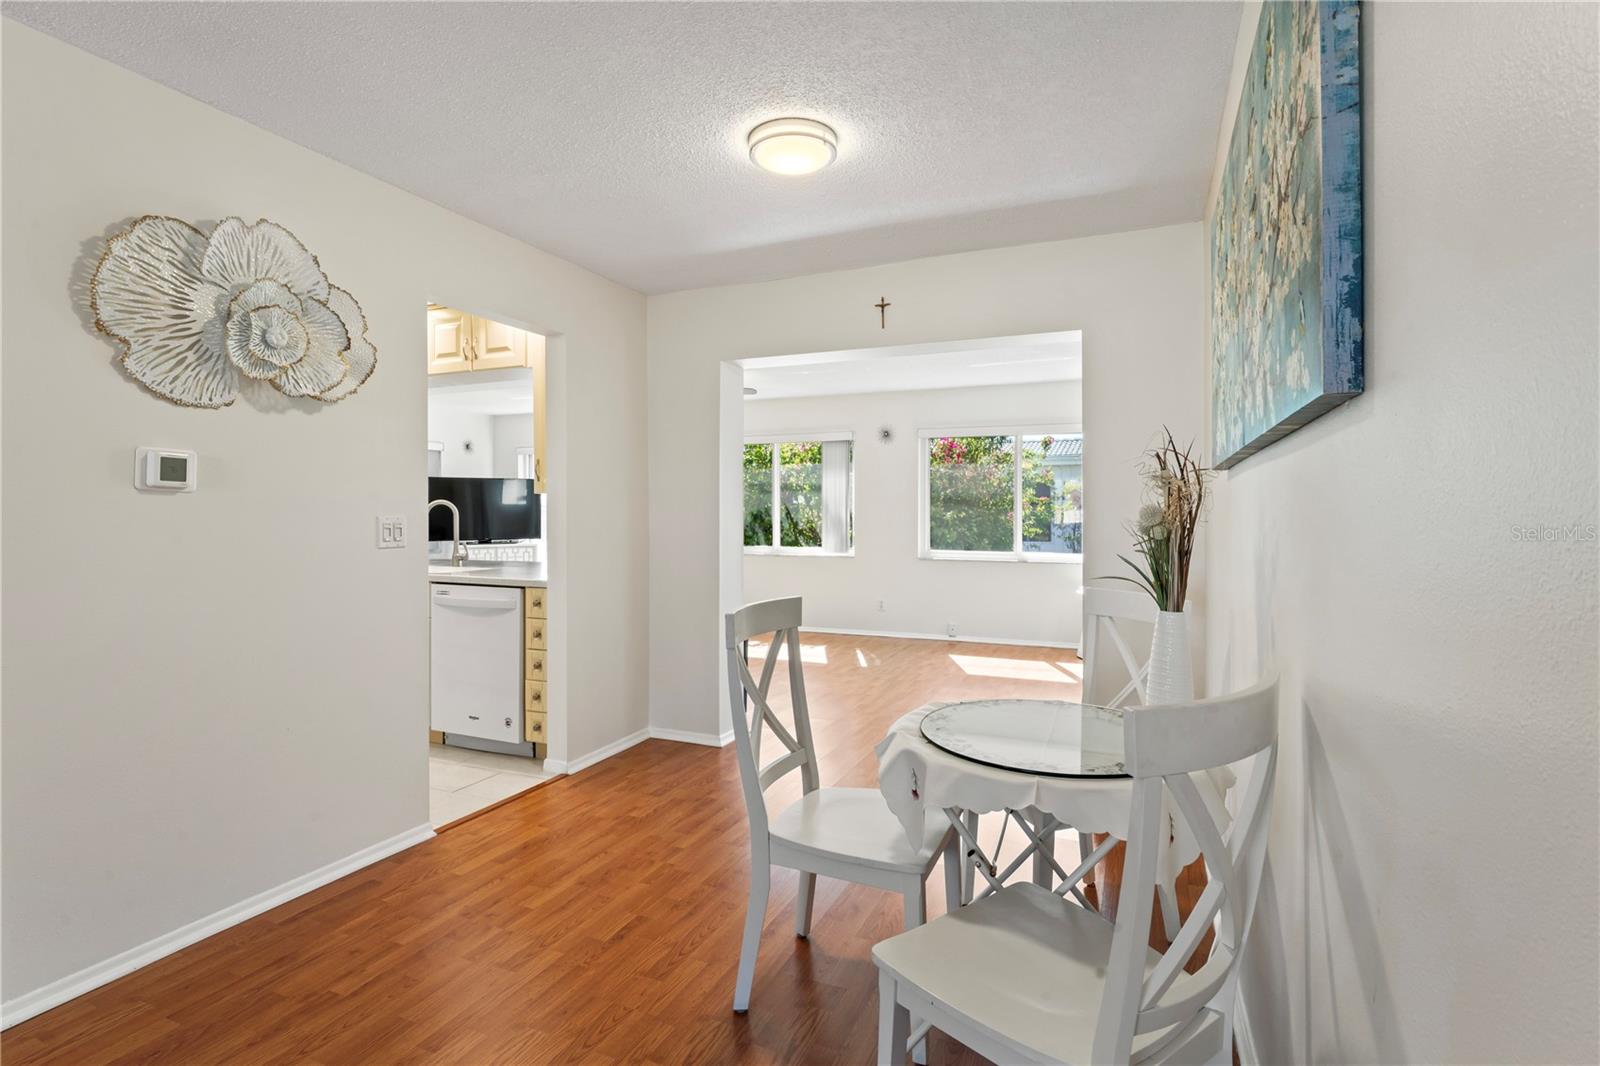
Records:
x=682, y=736
x=56, y=993
x=583, y=762
x=936, y=636
x=599, y=754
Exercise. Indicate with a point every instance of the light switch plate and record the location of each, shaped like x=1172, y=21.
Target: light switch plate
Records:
x=391, y=531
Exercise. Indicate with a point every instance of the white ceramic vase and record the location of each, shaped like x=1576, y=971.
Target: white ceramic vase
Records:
x=1171, y=675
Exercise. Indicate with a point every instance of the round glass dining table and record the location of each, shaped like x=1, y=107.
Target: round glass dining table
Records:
x=1054, y=738
x=1047, y=765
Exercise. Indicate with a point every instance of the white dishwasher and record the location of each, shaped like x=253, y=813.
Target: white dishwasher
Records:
x=477, y=661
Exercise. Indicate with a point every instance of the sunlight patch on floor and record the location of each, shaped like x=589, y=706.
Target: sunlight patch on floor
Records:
x=809, y=653
x=861, y=658
x=1012, y=669
x=1075, y=669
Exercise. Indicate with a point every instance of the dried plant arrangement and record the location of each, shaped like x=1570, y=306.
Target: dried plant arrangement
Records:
x=1164, y=533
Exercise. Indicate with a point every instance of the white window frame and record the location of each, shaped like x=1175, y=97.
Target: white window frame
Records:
x=525, y=463
x=777, y=492
x=1016, y=554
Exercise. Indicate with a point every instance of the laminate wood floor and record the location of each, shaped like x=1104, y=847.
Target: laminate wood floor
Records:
x=594, y=919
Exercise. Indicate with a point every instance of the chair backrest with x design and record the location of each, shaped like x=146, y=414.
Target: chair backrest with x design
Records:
x=753, y=714
x=1108, y=615
x=1163, y=747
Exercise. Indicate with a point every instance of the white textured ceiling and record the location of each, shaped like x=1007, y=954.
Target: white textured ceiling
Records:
x=612, y=134
x=1025, y=360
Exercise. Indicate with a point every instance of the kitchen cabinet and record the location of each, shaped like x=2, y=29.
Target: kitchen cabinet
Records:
x=536, y=361
x=496, y=345
x=459, y=342
x=449, y=341
x=535, y=629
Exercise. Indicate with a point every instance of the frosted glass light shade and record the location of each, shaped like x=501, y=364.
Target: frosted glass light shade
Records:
x=793, y=146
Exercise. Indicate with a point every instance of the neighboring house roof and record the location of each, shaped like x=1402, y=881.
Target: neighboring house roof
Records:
x=1064, y=448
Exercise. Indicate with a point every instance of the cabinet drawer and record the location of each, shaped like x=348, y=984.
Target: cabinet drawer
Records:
x=533, y=696
x=533, y=664
x=534, y=727
x=533, y=601
x=534, y=629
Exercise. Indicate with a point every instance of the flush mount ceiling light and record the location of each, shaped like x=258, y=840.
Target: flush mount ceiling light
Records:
x=793, y=146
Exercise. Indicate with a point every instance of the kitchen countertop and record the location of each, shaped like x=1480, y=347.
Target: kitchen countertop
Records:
x=517, y=575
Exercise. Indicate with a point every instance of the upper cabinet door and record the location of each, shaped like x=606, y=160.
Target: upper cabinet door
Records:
x=449, y=341
x=497, y=345
x=541, y=411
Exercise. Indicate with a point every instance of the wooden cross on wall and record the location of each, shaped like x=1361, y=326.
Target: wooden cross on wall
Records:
x=883, y=307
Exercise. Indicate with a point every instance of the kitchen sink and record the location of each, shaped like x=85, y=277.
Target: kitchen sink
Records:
x=446, y=571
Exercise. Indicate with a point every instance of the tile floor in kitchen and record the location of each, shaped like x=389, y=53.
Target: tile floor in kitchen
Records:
x=461, y=781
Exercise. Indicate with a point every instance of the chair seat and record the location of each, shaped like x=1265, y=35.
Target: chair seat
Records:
x=1023, y=966
x=856, y=824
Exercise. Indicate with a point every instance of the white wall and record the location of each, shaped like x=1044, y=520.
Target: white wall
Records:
x=456, y=430
x=1431, y=891
x=232, y=690
x=1137, y=297
x=509, y=432
x=1033, y=602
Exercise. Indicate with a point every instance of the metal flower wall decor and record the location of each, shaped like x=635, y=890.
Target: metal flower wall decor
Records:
x=197, y=315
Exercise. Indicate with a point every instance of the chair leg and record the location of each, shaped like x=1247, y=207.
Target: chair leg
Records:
x=1085, y=847
x=952, y=876
x=916, y=914
x=969, y=873
x=1169, y=909
x=1224, y=1055
x=1167, y=873
x=1226, y=1003
x=894, y=1023
x=804, y=896
x=916, y=905
x=754, y=917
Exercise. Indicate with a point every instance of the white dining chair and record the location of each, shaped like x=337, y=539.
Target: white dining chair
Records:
x=1110, y=618
x=1026, y=976
x=847, y=833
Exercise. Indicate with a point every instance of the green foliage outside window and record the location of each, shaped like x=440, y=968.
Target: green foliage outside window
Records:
x=972, y=496
x=800, y=494
x=758, y=495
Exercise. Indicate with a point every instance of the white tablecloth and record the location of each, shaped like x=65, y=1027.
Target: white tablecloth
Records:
x=918, y=779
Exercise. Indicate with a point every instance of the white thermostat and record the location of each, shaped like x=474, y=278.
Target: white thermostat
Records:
x=164, y=470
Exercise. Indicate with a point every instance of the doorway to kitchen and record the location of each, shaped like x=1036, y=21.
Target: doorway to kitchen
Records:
x=488, y=563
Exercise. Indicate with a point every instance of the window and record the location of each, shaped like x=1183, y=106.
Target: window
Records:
x=525, y=462
x=1002, y=494
x=799, y=496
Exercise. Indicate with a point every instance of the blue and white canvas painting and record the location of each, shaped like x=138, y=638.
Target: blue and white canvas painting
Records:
x=1286, y=299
